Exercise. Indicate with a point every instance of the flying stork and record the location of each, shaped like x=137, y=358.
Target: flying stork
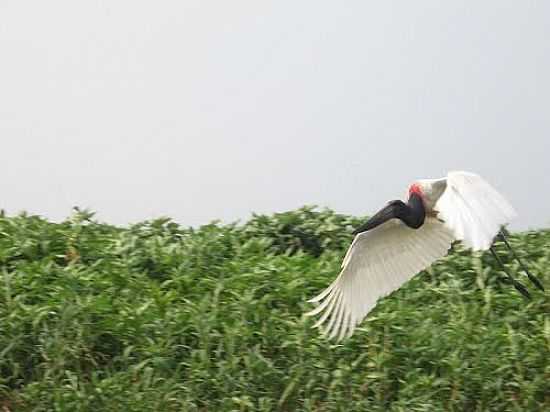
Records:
x=404, y=238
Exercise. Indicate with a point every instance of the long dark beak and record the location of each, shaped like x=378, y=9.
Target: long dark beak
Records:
x=382, y=216
x=532, y=278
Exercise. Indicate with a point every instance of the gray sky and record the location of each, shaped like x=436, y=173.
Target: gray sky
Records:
x=202, y=110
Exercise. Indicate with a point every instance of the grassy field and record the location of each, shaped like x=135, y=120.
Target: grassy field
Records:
x=165, y=318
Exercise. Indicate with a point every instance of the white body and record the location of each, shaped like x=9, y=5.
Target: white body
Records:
x=461, y=206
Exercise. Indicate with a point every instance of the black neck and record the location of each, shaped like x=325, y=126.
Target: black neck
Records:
x=412, y=214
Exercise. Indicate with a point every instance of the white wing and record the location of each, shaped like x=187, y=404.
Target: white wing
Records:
x=473, y=209
x=378, y=262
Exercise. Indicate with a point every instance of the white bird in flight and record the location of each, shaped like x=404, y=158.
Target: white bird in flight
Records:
x=404, y=238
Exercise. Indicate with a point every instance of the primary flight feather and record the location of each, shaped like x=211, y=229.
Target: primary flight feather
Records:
x=404, y=238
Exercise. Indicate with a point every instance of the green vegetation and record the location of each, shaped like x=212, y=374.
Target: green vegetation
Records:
x=164, y=318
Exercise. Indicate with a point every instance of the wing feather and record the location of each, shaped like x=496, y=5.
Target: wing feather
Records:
x=473, y=209
x=378, y=262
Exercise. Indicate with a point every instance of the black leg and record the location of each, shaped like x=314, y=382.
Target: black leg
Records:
x=532, y=278
x=519, y=287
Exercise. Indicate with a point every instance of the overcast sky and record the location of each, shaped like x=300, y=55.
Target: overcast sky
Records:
x=203, y=110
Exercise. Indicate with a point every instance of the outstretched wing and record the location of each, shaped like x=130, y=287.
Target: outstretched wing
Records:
x=378, y=262
x=473, y=209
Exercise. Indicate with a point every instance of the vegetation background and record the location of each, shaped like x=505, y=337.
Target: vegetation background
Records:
x=161, y=317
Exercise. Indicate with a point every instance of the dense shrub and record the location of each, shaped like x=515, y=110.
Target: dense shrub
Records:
x=161, y=317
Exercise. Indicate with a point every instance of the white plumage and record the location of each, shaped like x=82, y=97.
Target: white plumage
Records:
x=461, y=206
x=473, y=210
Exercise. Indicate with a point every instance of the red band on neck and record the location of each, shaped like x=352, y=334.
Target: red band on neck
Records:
x=415, y=188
